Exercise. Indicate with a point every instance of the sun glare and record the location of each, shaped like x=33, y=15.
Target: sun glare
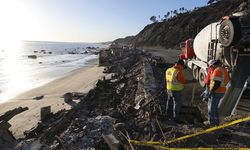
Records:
x=19, y=21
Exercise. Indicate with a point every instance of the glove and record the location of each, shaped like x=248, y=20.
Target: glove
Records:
x=205, y=95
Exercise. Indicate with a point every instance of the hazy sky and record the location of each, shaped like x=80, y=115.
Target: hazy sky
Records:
x=81, y=20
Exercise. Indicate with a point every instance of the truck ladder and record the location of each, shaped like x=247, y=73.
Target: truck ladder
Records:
x=241, y=93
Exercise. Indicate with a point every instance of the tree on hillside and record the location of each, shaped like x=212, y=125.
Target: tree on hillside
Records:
x=163, y=20
x=196, y=8
x=210, y=2
x=182, y=9
x=175, y=12
x=153, y=19
x=167, y=15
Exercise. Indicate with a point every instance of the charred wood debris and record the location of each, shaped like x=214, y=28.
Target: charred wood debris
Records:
x=128, y=103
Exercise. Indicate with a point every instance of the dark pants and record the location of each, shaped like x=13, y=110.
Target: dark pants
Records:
x=173, y=105
x=213, y=102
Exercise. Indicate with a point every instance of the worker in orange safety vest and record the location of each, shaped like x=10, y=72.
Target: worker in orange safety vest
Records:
x=217, y=88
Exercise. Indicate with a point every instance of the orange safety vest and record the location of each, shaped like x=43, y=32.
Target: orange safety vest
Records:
x=220, y=74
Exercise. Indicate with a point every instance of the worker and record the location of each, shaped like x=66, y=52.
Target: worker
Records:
x=175, y=81
x=217, y=87
x=206, y=93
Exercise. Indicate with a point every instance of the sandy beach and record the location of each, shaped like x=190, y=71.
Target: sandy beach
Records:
x=80, y=80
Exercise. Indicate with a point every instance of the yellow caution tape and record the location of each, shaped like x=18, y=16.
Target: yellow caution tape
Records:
x=191, y=135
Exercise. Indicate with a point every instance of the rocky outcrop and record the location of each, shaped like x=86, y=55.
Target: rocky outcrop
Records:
x=32, y=56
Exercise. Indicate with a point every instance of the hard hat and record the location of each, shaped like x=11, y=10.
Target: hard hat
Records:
x=212, y=62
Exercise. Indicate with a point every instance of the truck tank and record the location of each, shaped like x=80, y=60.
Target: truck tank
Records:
x=203, y=38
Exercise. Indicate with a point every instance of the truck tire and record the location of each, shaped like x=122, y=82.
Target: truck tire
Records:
x=229, y=32
x=195, y=72
x=201, y=78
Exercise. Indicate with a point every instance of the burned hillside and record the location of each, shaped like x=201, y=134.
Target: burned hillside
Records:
x=169, y=33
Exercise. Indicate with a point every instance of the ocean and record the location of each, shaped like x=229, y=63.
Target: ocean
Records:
x=30, y=64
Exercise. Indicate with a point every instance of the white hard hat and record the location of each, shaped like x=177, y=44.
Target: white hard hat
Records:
x=212, y=62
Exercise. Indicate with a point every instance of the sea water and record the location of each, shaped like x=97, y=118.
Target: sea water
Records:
x=20, y=71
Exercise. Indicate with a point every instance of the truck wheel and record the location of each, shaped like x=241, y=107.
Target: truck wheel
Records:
x=202, y=76
x=229, y=32
x=195, y=72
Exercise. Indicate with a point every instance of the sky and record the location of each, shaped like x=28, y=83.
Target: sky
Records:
x=81, y=20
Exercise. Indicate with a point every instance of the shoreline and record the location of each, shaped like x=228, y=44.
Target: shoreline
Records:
x=9, y=93
x=78, y=80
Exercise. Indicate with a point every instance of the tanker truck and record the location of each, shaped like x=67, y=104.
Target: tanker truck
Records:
x=227, y=40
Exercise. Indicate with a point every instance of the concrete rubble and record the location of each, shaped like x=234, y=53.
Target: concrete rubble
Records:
x=6, y=137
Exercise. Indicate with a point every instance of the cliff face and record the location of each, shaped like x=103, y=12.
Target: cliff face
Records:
x=183, y=26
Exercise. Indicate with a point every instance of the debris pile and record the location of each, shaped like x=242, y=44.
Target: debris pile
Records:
x=130, y=104
x=88, y=132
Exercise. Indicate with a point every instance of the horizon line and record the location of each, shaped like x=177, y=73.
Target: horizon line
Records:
x=62, y=41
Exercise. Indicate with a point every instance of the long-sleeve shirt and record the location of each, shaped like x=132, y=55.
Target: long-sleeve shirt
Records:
x=207, y=78
x=180, y=76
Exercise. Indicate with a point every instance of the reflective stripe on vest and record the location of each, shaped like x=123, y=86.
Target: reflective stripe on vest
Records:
x=172, y=83
x=222, y=84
